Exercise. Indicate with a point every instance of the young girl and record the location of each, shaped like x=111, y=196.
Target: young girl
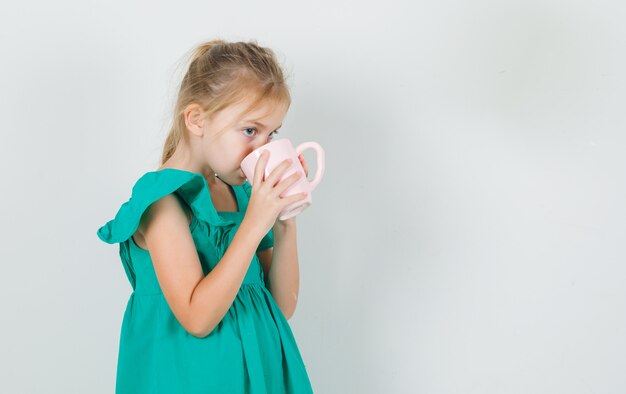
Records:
x=214, y=273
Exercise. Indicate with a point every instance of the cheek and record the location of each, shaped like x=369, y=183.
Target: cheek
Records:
x=239, y=158
x=239, y=152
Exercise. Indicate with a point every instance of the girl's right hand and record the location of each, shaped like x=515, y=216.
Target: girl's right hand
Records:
x=265, y=203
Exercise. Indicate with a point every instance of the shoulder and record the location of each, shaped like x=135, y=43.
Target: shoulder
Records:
x=170, y=207
x=188, y=196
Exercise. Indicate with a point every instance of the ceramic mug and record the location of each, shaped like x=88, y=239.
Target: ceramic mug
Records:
x=279, y=151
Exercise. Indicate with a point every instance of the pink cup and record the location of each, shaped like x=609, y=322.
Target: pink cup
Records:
x=281, y=150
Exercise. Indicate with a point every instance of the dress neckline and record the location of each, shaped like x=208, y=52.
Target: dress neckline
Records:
x=236, y=191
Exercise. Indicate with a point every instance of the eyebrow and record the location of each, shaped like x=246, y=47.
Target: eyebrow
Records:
x=261, y=124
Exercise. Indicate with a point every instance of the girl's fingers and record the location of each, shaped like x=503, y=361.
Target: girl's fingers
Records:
x=288, y=182
x=278, y=172
x=294, y=197
x=306, y=170
x=259, y=169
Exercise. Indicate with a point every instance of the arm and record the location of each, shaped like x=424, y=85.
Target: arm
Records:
x=281, y=266
x=199, y=302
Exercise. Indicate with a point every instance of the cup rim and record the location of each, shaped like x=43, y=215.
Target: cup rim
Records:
x=260, y=148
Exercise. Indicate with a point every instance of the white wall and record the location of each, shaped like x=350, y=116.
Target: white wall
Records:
x=467, y=236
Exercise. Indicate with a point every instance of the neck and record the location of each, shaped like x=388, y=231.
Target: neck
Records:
x=181, y=158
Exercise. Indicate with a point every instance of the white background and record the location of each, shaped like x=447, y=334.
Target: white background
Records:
x=468, y=235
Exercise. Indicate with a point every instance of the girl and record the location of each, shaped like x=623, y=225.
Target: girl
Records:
x=211, y=294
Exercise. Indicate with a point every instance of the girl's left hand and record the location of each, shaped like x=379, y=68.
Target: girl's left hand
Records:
x=292, y=219
x=306, y=170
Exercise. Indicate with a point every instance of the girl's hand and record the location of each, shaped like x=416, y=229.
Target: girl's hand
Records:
x=265, y=203
x=292, y=220
x=306, y=170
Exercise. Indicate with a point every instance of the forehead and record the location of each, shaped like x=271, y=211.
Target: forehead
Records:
x=268, y=113
x=264, y=112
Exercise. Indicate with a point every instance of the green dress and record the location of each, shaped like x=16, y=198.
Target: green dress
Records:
x=252, y=350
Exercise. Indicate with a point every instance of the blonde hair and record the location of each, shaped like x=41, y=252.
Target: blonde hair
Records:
x=223, y=73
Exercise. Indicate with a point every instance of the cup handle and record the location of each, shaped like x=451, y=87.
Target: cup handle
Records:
x=319, y=159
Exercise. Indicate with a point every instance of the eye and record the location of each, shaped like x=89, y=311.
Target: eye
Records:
x=249, y=128
x=272, y=134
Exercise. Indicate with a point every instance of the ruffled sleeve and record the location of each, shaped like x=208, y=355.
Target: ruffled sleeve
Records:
x=151, y=187
x=268, y=240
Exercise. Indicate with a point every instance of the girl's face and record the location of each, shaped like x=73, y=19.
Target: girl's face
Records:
x=226, y=151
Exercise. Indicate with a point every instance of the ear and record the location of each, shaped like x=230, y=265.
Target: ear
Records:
x=194, y=119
